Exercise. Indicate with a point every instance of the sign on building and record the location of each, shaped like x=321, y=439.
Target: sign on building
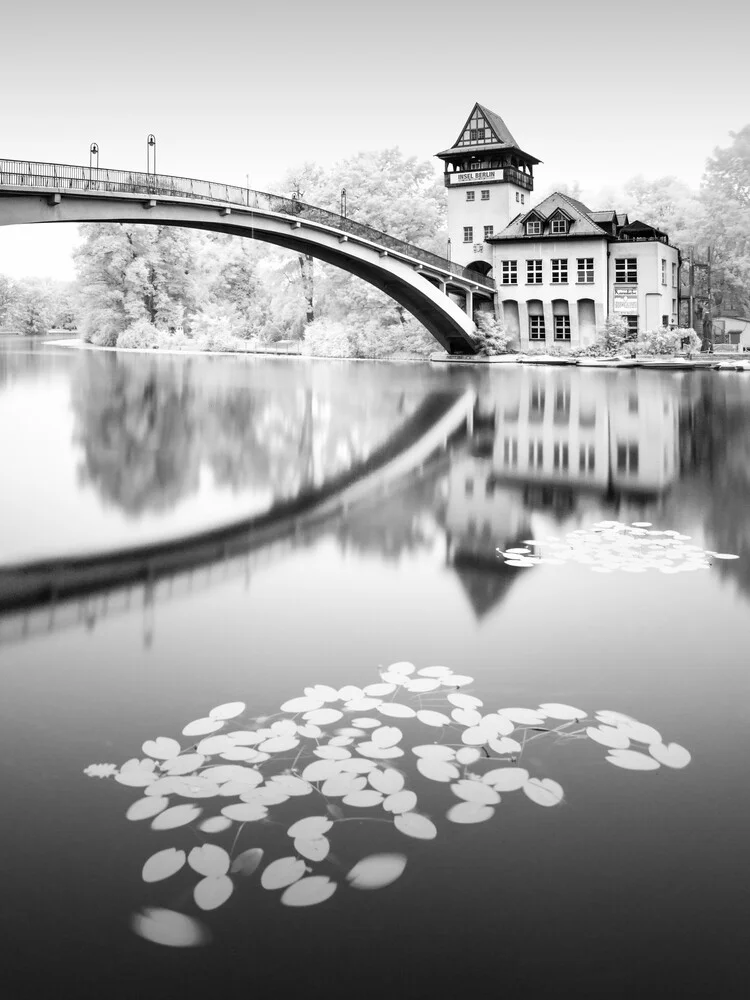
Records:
x=626, y=299
x=473, y=176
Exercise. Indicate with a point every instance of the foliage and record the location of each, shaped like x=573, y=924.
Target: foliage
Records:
x=492, y=337
x=32, y=306
x=546, y=350
x=666, y=341
x=328, y=339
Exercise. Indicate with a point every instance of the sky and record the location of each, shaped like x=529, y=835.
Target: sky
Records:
x=599, y=92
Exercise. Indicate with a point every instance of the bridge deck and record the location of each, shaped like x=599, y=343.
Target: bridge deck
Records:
x=58, y=178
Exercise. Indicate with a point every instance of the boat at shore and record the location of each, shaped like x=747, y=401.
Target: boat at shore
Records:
x=551, y=359
x=607, y=362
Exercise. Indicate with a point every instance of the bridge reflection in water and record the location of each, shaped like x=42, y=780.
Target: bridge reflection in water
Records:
x=526, y=455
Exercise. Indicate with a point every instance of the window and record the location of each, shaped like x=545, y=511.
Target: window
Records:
x=533, y=272
x=663, y=272
x=560, y=457
x=562, y=327
x=586, y=460
x=561, y=413
x=674, y=276
x=468, y=234
x=536, y=398
x=470, y=195
x=510, y=451
x=476, y=135
x=488, y=231
x=536, y=327
x=560, y=271
x=509, y=272
x=674, y=307
x=517, y=198
x=632, y=322
x=533, y=228
x=626, y=270
x=559, y=226
x=485, y=195
x=627, y=458
x=522, y=199
x=536, y=454
x=586, y=270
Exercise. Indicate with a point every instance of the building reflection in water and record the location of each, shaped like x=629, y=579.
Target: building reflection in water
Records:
x=555, y=444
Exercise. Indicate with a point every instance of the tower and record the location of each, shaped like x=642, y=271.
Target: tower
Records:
x=489, y=181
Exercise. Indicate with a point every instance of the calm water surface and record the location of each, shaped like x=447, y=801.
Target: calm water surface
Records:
x=635, y=885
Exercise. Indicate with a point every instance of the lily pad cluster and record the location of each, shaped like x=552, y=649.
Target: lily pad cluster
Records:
x=613, y=545
x=353, y=753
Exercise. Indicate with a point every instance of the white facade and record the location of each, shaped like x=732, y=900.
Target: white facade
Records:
x=476, y=205
x=655, y=293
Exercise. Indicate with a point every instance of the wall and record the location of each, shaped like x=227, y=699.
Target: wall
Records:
x=654, y=299
x=546, y=249
x=496, y=212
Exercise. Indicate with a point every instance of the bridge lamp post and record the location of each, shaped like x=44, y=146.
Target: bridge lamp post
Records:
x=150, y=144
x=448, y=251
x=93, y=152
x=343, y=203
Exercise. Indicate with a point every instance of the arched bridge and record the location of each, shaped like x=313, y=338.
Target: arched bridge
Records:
x=424, y=283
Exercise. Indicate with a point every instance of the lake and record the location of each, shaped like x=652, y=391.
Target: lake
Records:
x=537, y=578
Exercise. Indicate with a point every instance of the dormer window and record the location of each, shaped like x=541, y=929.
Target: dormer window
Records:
x=559, y=225
x=533, y=227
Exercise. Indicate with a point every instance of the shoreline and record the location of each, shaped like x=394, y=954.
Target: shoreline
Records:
x=727, y=362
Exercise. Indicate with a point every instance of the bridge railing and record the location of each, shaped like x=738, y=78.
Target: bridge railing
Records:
x=61, y=177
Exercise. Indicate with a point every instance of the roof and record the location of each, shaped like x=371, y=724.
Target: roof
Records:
x=502, y=137
x=581, y=225
x=642, y=227
x=606, y=215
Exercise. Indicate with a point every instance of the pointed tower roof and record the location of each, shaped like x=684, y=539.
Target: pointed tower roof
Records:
x=484, y=131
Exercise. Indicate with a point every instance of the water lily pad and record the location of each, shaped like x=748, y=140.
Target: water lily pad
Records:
x=162, y=748
x=420, y=685
x=475, y=736
x=671, y=754
x=282, y=872
x=147, y=807
x=302, y=705
x=395, y=710
x=229, y=710
x=185, y=764
x=632, y=760
x=137, y=773
x=464, y=700
x=243, y=753
x=163, y=864
x=415, y=825
x=437, y=770
x=243, y=737
x=468, y=755
x=506, y=779
x=522, y=716
x=215, y=824
x=369, y=749
x=362, y=704
x=378, y=690
x=400, y=802
x=608, y=736
x=544, y=791
x=331, y=752
x=402, y=667
x=209, y=860
x=310, y=827
x=388, y=782
x=342, y=784
x=167, y=927
x=639, y=732
x=430, y=718
x=247, y=862
x=315, y=849
x=435, y=671
x=470, y=812
x=565, y=712
x=376, y=871
x=278, y=744
x=366, y=723
x=245, y=812
x=310, y=731
x=170, y=819
x=466, y=716
x=495, y=724
x=357, y=765
x=364, y=799
x=212, y=892
x=386, y=736
x=309, y=891
x=456, y=680
x=323, y=716
x=220, y=773
x=434, y=751
x=200, y=727
x=475, y=791
x=319, y=770
x=504, y=745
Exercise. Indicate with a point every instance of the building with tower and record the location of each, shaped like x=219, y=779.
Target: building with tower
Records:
x=560, y=268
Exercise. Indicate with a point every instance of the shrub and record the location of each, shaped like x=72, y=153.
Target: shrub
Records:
x=665, y=341
x=492, y=337
x=328, y=339
x=140, y=334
